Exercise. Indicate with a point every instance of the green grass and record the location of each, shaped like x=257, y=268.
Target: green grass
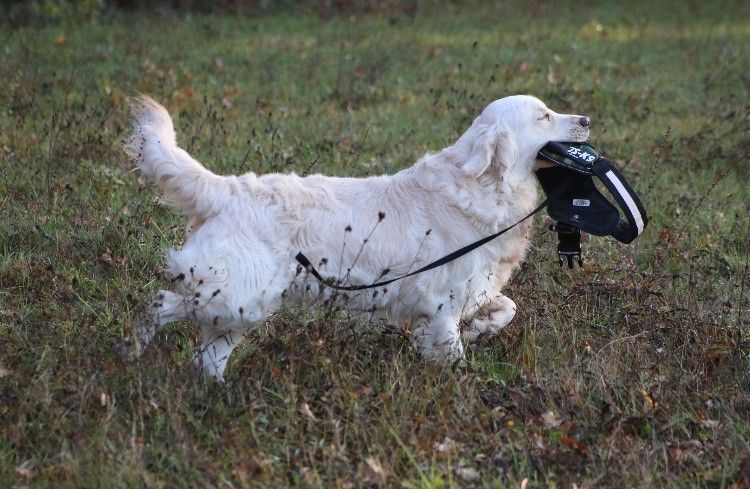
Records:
x=643, y=357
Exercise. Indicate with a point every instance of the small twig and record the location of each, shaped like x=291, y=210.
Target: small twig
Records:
x=659, y=159
x=201, y=123
x=742, y=286
x=347, y=230
x=245, y=158
x=414, y=261
x=309, y=167
x=617, y=340
x=381, y=216
x=702, y=198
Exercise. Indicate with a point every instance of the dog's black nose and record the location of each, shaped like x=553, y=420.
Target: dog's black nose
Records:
x=584, y=121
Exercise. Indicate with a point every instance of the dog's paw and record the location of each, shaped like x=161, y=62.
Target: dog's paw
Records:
x=445, y=352
x=486, y=326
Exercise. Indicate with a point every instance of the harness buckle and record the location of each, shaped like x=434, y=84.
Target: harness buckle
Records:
x=569, y=246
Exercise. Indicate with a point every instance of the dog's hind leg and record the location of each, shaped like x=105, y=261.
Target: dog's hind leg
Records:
x=165, y=308
x=438, y=339
x=491, y=317
x=215, y=349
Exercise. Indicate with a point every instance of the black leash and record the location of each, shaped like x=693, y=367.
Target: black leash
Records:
x=302, y=259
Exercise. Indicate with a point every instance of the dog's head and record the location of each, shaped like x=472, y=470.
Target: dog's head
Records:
x=509, y=133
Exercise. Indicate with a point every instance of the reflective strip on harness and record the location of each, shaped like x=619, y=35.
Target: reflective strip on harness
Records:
x=628, y=200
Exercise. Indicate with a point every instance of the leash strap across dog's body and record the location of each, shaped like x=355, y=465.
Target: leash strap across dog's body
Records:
x=303, y=260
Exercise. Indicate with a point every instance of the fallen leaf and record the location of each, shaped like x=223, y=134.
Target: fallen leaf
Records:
x=137, y=442
x=343, y=483
x=574, y=444
x=468, y=474
x=374, y=471
x=709, y=423
x=552, y=77
x=648, y=401
x=304, y=409
x=26, y=469
x=582, y=448
x=309, y=476
x=550, y=420
x=108, y=258
x=241, y=472
x=447, y=446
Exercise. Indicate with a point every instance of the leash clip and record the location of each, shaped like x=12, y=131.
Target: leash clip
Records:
x=569, y=246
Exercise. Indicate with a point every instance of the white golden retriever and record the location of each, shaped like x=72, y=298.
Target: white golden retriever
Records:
x=238, y=265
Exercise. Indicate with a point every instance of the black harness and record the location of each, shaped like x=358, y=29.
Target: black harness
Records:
x=577, y=205
x=572, y=200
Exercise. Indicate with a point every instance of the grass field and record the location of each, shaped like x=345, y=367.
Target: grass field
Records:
x=633, y=372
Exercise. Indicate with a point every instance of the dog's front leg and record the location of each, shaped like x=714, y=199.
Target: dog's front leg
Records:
x=438, y=339
x=490, y=318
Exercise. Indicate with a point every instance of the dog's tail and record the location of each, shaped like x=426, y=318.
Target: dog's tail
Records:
x=153, y=146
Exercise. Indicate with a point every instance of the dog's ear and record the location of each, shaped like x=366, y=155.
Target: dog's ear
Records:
x=495, y=148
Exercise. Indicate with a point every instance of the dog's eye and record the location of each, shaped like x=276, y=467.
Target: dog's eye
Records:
x=545, y=116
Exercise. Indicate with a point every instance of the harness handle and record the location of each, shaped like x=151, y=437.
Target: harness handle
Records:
x=627, y=200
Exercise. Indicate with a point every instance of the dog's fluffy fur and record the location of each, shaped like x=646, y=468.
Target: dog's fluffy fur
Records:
x=237, y=264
